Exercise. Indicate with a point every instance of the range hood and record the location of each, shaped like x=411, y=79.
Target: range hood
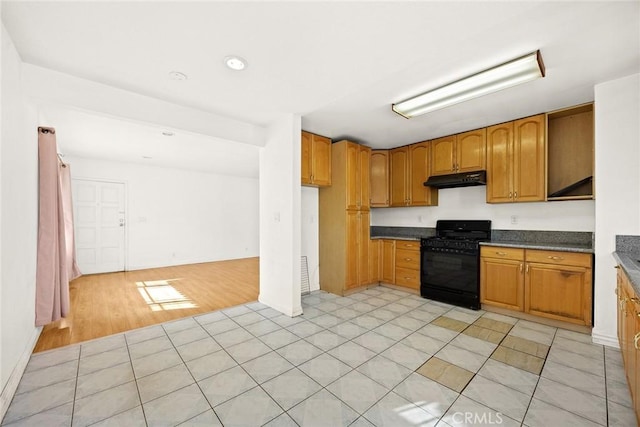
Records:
x=466, y=179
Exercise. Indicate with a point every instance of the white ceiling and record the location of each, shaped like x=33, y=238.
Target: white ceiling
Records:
x=338, y=64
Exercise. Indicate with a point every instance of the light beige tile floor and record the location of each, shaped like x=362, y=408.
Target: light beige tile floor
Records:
x=379, y=357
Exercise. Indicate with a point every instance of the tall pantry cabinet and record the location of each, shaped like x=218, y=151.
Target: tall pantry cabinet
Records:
x=344, y=220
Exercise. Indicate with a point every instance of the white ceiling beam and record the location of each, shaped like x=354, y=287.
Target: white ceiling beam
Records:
x=59, y=88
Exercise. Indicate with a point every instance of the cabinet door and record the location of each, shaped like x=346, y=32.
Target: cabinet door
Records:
x=635, y=375
x=443, y=155
x=352, y=249
x=628, y=350
x=398, y=160
x=363, y=175
x=379, y=178
x=321, y=161
x=389, y=261
x=499, y=163
x=558, y=292
x=502, y=283
x=471, y=150
x=529, y=162
x=353, y=180
x=363, y=248
x=418, y=172
x=374, y=260
x=619, y=305
x=306, y=157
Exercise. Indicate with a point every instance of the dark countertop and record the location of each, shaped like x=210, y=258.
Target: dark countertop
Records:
x=629, y=263
x=395, y=238
x=627, y=255
x=564, y=247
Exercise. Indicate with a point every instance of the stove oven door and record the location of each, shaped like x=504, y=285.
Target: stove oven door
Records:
x=450, y=277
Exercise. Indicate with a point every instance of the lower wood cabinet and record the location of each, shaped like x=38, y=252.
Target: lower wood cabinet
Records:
x=502, y=278
x=357, y=249
x=556, y=285
x=388, y=261
x=629, y=336
x=400, y=263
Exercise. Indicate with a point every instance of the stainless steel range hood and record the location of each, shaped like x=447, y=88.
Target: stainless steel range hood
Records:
x=466, y=179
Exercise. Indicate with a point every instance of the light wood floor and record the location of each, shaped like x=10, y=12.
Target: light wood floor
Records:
x=105, y=304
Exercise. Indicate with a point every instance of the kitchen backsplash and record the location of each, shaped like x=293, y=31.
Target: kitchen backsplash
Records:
x=626, y=243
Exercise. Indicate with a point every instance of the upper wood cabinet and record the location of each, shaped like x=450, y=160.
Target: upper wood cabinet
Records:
x=316, y=160
x=379, y=178
x=570, y=153
x=357, y=184
x=516, y=161
x=409, y=169
x=464, y=152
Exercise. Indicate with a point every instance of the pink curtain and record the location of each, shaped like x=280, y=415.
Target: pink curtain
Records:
x=56, y=246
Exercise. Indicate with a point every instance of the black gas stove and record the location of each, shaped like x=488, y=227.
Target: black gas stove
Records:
x=450, y=262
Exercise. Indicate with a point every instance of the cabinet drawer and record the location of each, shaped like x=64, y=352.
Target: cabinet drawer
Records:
x=408, y=244
x=559, y=258
x=408, y=277
x=408, y=259
x=502, y=253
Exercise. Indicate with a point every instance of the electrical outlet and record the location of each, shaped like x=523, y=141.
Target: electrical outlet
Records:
x=514, y=219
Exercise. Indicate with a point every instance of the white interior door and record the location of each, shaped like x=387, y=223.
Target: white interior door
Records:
x=99, y=217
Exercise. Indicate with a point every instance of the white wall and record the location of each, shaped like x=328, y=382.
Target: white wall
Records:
x=18, y=223
x=310, y=235
x=178, y=216
x=617, y=128
x=280, y=213
x=470, y=203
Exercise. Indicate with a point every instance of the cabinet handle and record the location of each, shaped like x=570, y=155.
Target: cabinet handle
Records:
x=408, y=278
x=520, y=267
x=636, y=337
x=515, y=195
x=616, y=266
x=635, y=300
x=527, y=268
x=407, y=259
x=501, y=253
x=510, y=193
x=555, y=257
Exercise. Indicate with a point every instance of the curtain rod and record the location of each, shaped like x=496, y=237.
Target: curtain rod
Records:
x=46, y=130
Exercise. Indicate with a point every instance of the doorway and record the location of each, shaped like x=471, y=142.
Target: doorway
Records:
x=99, y=217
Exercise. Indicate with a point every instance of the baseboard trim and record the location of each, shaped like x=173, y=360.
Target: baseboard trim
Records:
x=16, y=375
x=296, y=311
x=183, y=262
x=605, y=339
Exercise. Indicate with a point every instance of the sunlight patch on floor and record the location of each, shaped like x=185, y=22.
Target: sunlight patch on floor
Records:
x=161, y=295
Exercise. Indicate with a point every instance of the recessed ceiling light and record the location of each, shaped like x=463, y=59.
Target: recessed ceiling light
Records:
x=235, y=63
x=168, y=133
x=147, y=157
x=177, y=75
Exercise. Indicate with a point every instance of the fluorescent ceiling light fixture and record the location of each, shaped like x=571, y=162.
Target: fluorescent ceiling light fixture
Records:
x=235, y=63
x=514, y=72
